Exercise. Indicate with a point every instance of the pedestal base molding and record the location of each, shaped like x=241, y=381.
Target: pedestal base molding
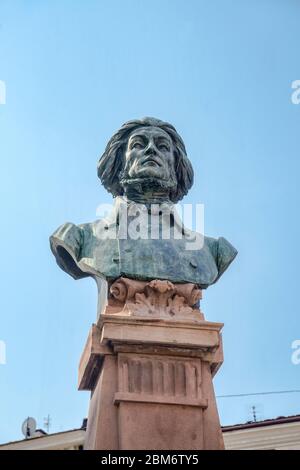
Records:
x=149, y=364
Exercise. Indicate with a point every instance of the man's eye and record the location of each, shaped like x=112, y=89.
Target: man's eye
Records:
x=163, y=147
x=137, y=145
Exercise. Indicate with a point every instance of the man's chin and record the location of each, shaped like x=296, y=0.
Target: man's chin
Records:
x=149, y=172
x=148, y=180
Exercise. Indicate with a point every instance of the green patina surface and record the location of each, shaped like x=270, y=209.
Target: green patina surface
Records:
x=87, y=250
x=144, y=162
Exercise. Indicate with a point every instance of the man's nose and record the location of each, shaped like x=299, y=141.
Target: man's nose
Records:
x=151, y=149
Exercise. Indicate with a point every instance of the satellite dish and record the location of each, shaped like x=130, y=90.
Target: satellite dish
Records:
x=29, y=427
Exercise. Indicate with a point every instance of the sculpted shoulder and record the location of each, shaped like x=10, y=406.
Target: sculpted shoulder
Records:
x=85, y=250
x=66, y=244
x=223, y=253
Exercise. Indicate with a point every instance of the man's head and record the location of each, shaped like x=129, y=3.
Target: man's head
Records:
x=146, y=153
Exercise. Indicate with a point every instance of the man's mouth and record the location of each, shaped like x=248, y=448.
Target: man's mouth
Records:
x=151, y=161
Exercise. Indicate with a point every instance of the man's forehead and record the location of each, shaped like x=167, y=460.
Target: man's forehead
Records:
x=150, y=131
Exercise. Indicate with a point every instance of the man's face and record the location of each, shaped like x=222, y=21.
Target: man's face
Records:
x=149, y=154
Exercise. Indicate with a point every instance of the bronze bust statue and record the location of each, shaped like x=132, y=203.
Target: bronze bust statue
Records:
x=144, y=165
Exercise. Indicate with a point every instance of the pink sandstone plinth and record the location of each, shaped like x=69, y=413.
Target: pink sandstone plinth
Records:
x=149, y=364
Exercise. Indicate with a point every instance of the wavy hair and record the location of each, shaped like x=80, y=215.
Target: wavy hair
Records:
x=111, y=163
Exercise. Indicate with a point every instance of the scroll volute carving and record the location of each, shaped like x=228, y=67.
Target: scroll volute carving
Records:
x=157, y=299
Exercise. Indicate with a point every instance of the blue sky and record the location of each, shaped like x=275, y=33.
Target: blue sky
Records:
x=221, y=72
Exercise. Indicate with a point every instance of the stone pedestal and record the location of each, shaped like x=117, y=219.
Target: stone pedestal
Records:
x=149, y=365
